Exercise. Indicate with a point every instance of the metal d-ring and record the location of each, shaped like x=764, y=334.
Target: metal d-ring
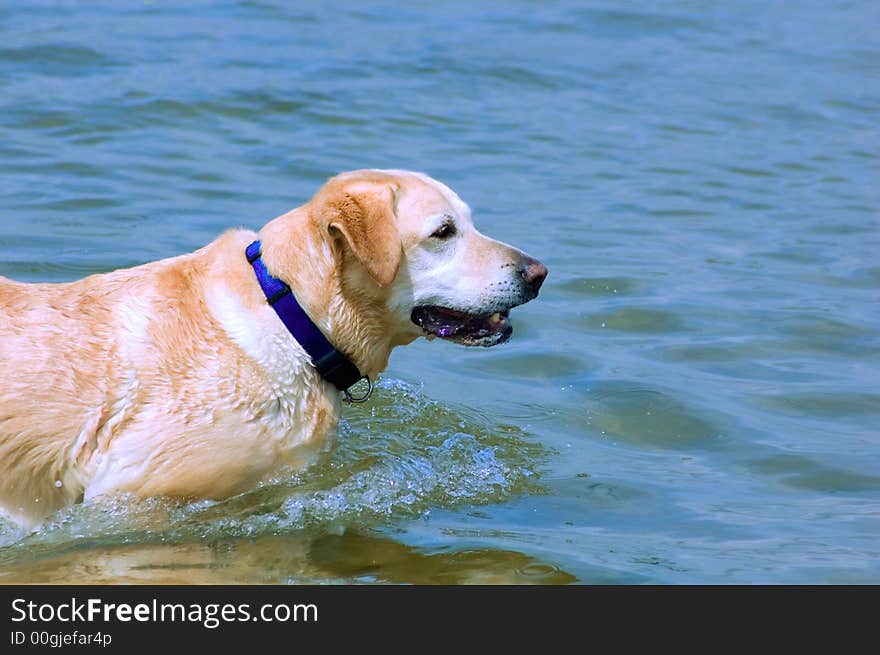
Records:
x=360, y=399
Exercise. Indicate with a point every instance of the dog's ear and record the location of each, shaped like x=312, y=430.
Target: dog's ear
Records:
x=365, y=216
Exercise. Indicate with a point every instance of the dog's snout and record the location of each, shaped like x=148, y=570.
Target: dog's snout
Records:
x=533, y=272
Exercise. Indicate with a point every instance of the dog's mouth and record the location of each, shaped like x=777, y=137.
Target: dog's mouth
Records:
x=462, y=327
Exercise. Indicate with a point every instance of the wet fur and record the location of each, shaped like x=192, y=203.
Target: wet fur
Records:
x=176, y=378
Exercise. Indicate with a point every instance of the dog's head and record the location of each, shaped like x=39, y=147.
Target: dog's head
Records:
x=408, y=240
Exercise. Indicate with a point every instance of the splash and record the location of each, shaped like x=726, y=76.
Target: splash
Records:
x=397, y=459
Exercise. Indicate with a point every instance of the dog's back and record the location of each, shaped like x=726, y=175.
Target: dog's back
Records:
x=83, y=361
x=107, y=375
x=54, y=343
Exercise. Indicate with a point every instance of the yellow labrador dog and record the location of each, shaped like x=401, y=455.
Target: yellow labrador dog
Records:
x=201, y=375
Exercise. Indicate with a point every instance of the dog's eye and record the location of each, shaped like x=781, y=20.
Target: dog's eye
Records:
x=444, y=231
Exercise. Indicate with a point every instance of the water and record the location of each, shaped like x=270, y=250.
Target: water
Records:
x=692, y=399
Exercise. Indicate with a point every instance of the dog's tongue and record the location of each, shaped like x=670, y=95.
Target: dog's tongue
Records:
x=443, y=322
x=448, y=323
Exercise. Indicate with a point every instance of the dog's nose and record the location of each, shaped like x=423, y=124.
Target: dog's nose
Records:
x=533, y=272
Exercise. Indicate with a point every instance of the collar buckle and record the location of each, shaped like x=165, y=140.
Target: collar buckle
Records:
x=354, y=400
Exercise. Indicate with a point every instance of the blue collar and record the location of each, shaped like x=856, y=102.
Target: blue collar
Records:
x=331, y=364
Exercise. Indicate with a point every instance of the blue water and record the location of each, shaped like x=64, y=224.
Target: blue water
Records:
x=692, y=399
